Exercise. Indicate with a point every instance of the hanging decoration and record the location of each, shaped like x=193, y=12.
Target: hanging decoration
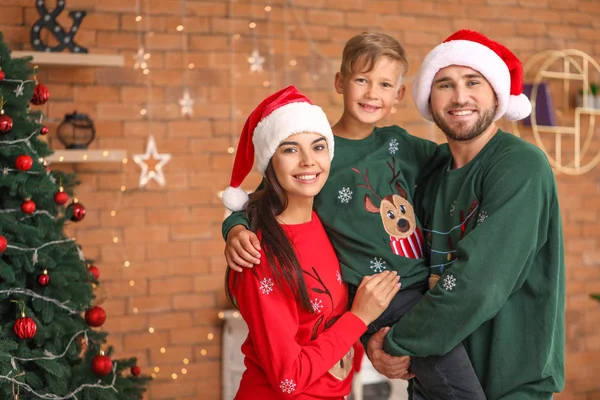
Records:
x=6, y=122
x=151, y=153
x=187, y=104
x=44, y=279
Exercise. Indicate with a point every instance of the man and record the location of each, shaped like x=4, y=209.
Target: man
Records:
x=493, y=225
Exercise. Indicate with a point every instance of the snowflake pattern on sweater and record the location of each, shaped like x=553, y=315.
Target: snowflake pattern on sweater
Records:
x=291, y=350
x=288, y=386
x=266, y=285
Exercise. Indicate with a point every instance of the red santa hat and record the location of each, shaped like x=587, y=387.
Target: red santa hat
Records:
x=279, y=116
x=496, y=63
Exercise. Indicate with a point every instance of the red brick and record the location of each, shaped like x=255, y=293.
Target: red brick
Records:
x=145, y=269
x=171, y=320
x=146, y=234
x=114, y=307
x=150, y=304
x=166, y=390
x=11, y=15
x=172, y=355
x=125, y=323
x=193, y=301
x=121, y=253
x=170, y=285
x=125, y=41
x=139, y=341
x=189, y=267
x=143, y=129
x=167, y=216
x=191, y=335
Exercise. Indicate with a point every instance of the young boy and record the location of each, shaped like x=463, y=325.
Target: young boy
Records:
x=366, y=205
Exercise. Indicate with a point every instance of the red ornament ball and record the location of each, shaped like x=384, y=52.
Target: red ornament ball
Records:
x=44, y=130
x=24, y=162
x=101, y=365
x=25, y=327
x=61, y=197
x=44, y=279
x=77, y=211
x=94, y=271
x=3, y=244
x=40, y=95
x=28, y=206
x=95, y=316
x=136, y=370
x=6, y=123
x=2, y=75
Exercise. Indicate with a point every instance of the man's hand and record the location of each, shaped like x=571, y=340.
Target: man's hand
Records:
x=242, y=248
x=390, y=366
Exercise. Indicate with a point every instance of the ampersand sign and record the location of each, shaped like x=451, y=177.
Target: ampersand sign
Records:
x=48, y=20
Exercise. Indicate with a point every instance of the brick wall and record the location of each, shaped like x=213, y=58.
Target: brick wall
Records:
x=171, y=235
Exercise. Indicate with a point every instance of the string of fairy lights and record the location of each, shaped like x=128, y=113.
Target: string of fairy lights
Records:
x=262, y=63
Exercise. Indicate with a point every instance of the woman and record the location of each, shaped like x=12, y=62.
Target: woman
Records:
x=301, y=336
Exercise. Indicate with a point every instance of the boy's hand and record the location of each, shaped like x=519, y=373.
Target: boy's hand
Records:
x=242, y=248
x=390, y=366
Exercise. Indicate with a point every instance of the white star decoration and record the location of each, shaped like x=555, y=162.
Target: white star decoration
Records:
x=19, y=90
x=80, y=254
x=141, y=58
x=156, y=174
x=256, y=61
x=186, y=103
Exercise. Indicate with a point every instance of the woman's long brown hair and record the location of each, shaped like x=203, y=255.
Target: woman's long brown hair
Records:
x=262, y=209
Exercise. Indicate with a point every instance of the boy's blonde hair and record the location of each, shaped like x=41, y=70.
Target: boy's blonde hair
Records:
x=367, y=48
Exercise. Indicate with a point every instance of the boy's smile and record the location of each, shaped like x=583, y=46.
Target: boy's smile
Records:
x=370, y=95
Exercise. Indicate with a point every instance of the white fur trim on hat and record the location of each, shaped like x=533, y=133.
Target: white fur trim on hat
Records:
x=519, y=107
x=234, y=198
x=285, y=121
x=469, y=54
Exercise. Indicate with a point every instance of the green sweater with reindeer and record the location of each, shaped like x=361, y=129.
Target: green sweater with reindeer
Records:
x=494, y=235
x=367, y=208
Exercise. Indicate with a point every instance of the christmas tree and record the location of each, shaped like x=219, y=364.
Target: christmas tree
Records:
x=48, y=346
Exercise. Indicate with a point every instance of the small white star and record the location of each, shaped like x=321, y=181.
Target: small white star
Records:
x=141, y=58
x=186, y=103
x=80, y=254
x=157, y=173
x=256, y=61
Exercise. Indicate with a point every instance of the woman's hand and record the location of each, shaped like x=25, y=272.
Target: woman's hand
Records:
x=374, y=295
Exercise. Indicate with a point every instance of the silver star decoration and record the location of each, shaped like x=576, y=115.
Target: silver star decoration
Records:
x=256, y=61
x=186, y=103
x=141, y=58
x=80, y=254
x=19, y=90
x=156, y=174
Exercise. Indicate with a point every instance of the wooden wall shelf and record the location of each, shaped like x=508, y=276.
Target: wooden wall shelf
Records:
x=87, y=156
x=72, y=59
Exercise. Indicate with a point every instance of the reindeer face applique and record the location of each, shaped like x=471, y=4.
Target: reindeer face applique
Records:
x=398, y=218
x=397, y=215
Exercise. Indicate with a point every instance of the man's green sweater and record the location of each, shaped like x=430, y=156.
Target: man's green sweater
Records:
x=494, y=234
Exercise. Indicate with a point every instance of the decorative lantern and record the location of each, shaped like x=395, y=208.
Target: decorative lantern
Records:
x=76, y=131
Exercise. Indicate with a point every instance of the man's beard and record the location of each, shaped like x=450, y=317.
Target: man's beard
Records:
x=463, y=133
